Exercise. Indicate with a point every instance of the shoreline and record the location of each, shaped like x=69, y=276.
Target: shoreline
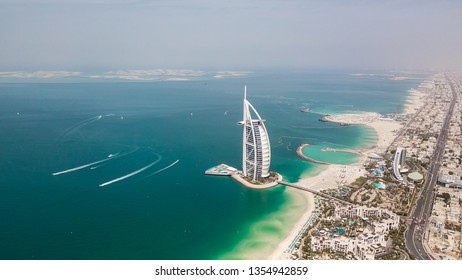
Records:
x=242, y=181
x=281, y=251
x=414, y=101
x=334, y=175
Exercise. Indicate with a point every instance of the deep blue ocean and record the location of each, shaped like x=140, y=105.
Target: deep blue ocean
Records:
x=148, y=144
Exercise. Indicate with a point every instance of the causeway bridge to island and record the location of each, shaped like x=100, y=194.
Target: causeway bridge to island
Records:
x=323, y=195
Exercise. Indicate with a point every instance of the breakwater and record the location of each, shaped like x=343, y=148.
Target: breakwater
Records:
x=300, y=154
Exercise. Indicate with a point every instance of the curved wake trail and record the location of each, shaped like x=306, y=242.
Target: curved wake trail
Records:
x=130, y=174
x=90, y=164
x=81, y=124
x=167, y=167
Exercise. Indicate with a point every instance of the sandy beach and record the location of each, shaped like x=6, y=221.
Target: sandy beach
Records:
x=414, y=101
x=330, y=177
x=385, y=129
x=334, y=175
x=281, y=251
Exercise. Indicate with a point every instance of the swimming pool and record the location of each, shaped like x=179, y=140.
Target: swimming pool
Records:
x=340, y=231
x=377, y=172
x=380, y=185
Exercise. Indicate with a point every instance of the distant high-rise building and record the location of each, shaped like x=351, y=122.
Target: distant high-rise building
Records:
x=256, y=152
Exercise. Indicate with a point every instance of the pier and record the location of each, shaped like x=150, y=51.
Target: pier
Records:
x=323, y=195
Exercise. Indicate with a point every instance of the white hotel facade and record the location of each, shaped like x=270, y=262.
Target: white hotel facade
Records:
x=256, y=149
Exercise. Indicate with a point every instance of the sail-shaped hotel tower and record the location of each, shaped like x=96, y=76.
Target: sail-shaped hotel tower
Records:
x=256, y=152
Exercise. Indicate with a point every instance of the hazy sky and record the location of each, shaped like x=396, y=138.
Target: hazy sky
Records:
x=116, y=34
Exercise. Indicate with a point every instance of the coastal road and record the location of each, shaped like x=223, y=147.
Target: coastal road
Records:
x=402, y=254
x=414, y=234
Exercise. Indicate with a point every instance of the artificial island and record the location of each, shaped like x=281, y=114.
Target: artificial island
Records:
x=256, y=153
x=401, y=200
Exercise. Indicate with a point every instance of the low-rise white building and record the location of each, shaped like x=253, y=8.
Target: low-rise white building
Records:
x=389, y=219
x=366, y=245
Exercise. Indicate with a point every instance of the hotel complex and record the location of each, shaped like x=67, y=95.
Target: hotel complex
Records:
x=256, y=153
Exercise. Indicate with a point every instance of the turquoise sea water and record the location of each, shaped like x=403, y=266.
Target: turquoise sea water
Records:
x=151, y=143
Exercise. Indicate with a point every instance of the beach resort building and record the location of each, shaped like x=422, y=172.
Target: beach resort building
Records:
x=256, y=152
x=366, y=245
x=387, y=218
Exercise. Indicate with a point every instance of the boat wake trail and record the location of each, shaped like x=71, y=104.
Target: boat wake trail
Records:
x=82, y=166
x=91, y=164
x=98, y=166
x=79, y=125
x=83, y=123
x=167, y=167
x=131, y=174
